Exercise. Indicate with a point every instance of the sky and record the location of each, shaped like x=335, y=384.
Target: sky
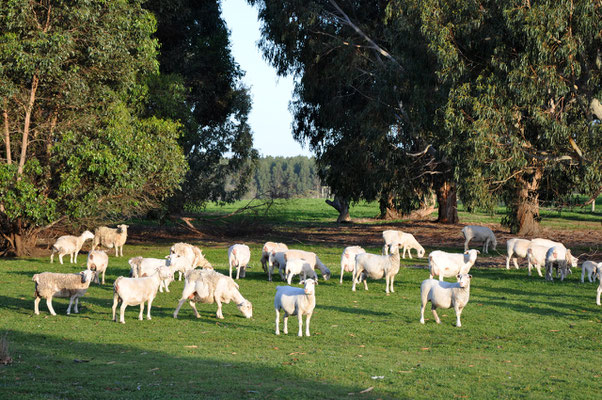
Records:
x=270, y=118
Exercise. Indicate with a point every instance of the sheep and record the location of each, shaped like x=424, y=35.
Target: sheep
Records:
x=405, y=241
x=268, y=247
x=190, y=255
x=98, y=261
x=348, y=259
x=209, y=286
x=133, y=291
x=599, y=291
x=311, y=258
x=276, y=258
x=238, y=257
x=562, y=258
x=110, y=237
x=51, y=284
x=479, y=233
x=141, y=267
x=445, y=295
x=295, y=301
x=544, y=242
x=536, y=255
x=590, y=268
x=517, y=247
x=297, y=267
x=70, y=245
x=376, y=266
x=446, y=264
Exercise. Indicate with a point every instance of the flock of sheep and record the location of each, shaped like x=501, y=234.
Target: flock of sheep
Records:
x=150, y=275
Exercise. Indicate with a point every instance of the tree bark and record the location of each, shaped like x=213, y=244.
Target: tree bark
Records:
x=447, y=202
x=342, y=206
x=527, y=204
x=388, y=211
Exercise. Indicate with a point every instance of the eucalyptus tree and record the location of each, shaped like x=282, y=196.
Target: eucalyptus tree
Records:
x=75, y=145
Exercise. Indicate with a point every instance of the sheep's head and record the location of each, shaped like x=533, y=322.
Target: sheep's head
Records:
x=246, y=308
x=326, y=273
x=87, y=275
x=309, y=286
x=87, y=235
x=165, y=272
x=123, y=228
x=573, y=260
x=420, y=251
x=464, y=280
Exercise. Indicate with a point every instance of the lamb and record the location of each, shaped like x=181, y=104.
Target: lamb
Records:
x=590, y=268
x=405, y=241
x=348, y=259
x=445, y=295
x=191, y=255
x=376, y=266
x=446, y=264
x=295, y=301
x=479, y=233
x=70, y=245
x=141, y=267
x=98, y=261
x=110, y=237
x=238, y=257
x=276, y=258
x=561, y=257
x=298, y=267
x=311, y=258
x=268, y=247
x=209, y=286
x=134, y=291
x=50, y=284
x=517, y=247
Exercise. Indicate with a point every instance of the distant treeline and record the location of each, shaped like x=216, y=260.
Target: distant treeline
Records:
x=285, y=177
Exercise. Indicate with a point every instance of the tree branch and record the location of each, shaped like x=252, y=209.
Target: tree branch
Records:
x=25, y=138
x=9, y=160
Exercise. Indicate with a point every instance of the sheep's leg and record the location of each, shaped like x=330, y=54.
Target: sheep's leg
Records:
x=75, y=256
x=61, y=258
x=514, y=260
x=237, y=272
x=538, y=268
x=103, y=276
x=598, y=292
x=508, y=261
x=458, y=313
x=270, y=272
x=387, y=282
x=277, y=322
x=36, y=305
x=289, y=278
x=392, y=281
x=122, y=312
x=466, y=244
x=230, y=271
x=196, y=312
x=300, y=318
x=219, y=309
x=433, y=308
x=365, y=283
x=76, y=304
x=386, y=249
x=116, y=251
x=115, y=302
x=52, y=257
x=121, y=251
x=179, y=275
x=285, y=328
x=141, y=311
x=354, y=278
x=342, y=272
x=148, y=309
x=175, y=313
x=49, y=304
x=307, y=319
x=281, y=271
x=422, y=307
x=70, y=303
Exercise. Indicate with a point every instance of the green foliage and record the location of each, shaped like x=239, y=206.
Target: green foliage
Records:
x=284, y=177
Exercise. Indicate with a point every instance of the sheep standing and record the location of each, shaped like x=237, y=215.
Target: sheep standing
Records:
x=98, y=261
x=481, y=234
x=134, y=291
x=445, y=295
x=298, y=267
x=590, y=268
x=110, y=237
x=402, y=240
x=517, y=248
x=51, y=284
x=295, y=301
x=277, y=258
x=536, y=253
x=70, y=245
x=376, y=266
x=268, y=248
x=239, y=256
x=446, y=264
x=141, y=267
x=348, y=259
x=311, y=258
x=188, y=255
x=209, y=286
x=560, y=257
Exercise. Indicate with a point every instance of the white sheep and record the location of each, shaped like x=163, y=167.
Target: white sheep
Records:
x=446, y=264
x=141, y=267
x=481, y=234
x=276, y=258
x=239, y=256
x=517, y=248
x=560, y=257
x=311, y=258
x=375, y=267
x=51, y=284
x=209, y=286
x=134, y=291
x=348, y=259
x=110, y=237
x=536, y=255
x=299, y=266
x=590, y=269
x=599, y=290
x=268, y=247
x=70, y=245
x=295, y=301
x=544, y=242
x=402, y=240
x=443, y=294
x=98, y=262
x=190, y=255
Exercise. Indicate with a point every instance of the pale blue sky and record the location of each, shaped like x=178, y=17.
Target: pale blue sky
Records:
x=270, y=118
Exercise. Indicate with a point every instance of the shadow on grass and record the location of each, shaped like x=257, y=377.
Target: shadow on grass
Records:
x=53, y=367
x=349, y=310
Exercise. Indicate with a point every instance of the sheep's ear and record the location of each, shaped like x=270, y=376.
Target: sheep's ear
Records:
x=478, y=251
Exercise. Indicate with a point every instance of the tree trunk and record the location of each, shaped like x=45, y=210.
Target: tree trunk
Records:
x=594, y=206
x=342, y=206
x=388, y=211
x=9, y=160
x=527, y=204
x=448, y=203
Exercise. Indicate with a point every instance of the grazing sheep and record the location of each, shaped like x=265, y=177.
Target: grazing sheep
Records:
x=239, y=256
x=268, y=247
x=209, y=286
x=311, y=258
x=446, y=264
x=560, y=257
x=110, y=237
x=376, y=266
x=51, y=284
x=445, y=295
x=295, y=301
x=134, y=291
x=402, y=240
x=348, y=259
x=190, y=255
x=481, y=234
x=590, y=268
x=518, y=248
x=298, y=267
x=141, y=267
x=98, y=261
x=70, y=245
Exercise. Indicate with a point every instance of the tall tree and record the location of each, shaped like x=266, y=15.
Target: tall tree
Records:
x=74, y=143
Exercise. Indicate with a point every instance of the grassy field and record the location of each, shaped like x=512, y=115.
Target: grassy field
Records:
x=521, y=337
